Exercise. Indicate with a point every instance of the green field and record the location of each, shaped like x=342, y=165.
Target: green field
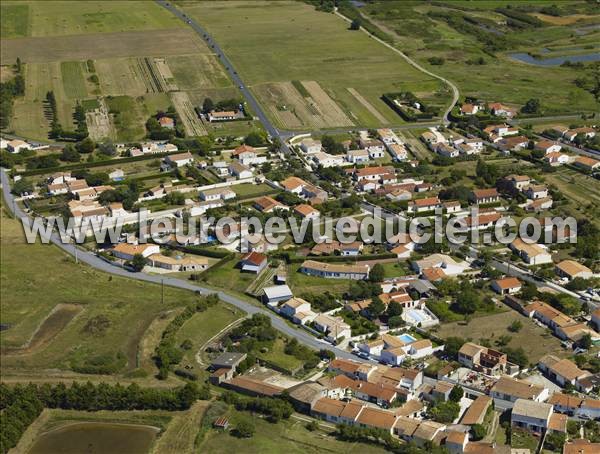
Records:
x=501, y=78
x=303, y=284
x=203, y=326
x=51, y=18
x=280, y=42
x=14, y=20
x=36, y=278
x=73, y=79
x=289, y=436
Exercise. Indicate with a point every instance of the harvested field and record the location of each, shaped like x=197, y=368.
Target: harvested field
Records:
x=152, y=78
x=152, y=337
x=120, y=75
x=195, y=72
x=191, y=123
x=328, y=109
x=181, y=433
x=165, y=73
x=368, y=106
x=293, y=111
x=53, y=324
x=99, y=124
x=105, y=45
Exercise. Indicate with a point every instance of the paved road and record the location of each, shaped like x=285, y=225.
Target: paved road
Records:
x=250, y=99
x=454, y=88
x=95, y=262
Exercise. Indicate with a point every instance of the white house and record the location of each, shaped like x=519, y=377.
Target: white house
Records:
x=16, y=146
x=357, y=156
x=179, y=159
x=310, y=146
x=239, y=170
x=531, y=416
x=327, y=160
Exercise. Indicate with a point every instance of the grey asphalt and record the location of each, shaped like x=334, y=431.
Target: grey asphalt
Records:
x=250, y=99
x=92, y=260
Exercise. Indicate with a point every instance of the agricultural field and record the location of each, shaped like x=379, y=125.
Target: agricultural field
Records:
x=423, y=32
x=313, y=71
x=54, y=325
x=54, y=18
x=491, y=327
x=118, y=54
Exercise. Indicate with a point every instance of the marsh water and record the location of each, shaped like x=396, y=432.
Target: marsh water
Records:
x=96, y=438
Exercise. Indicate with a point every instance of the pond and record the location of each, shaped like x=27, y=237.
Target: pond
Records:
x=96, y=438
x=554, y=61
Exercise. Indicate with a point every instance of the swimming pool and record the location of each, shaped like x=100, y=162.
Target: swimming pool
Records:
x=406, y=338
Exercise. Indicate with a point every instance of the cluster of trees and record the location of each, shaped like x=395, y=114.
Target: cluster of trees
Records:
x=331, y=145
x=167, y=353
x=532, y=106
x=322, y=302
x=56, y=129
x=157, y=132
x=42, y=162
x=462, y=23
x=127, y=195
x=274, y=408
x=226, y=104
x=310, y=357
x=20, y=405
x=447, y=411
x=588, y=240
x=9, y=90
x=252, y=333
x=519, y=19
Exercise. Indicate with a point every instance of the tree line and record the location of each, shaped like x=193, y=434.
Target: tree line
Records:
x=21, y=405
x=9, y=90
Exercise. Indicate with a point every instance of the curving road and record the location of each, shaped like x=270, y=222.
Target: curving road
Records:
x=95, y=262
x=454, y=88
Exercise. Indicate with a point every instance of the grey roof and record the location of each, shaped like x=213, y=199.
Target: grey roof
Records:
x=421, y=285
x=228, y=360
x=278, y=291
x=532, y=409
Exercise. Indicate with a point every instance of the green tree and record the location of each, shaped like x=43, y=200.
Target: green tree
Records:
x=394, y=309
x=376, y=308
x=244, y=428
x=532, y=106
x=377, y=273
x=208, y=105
x=355, y=25
x=87, y=145
x=586, y=341
x=515, y=326
x=478, y=431
x=70, y=154
x=138, y=262
x=456, y=394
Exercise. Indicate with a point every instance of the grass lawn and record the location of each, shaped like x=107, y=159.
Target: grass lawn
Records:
x=252, y=190
x=289, y=436
x=36, y=278
x=229, y=276
x=395, y=269
x=536, y=341
x=294, y=42
x=277, y=356
x=129, y=121
x=204, y=325
x=303, y=284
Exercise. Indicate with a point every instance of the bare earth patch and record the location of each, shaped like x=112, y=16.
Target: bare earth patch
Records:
x=191, y=123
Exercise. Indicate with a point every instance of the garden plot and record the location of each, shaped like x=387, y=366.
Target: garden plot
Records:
x=191, y=123
x=165, y=73
x=99, y=123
